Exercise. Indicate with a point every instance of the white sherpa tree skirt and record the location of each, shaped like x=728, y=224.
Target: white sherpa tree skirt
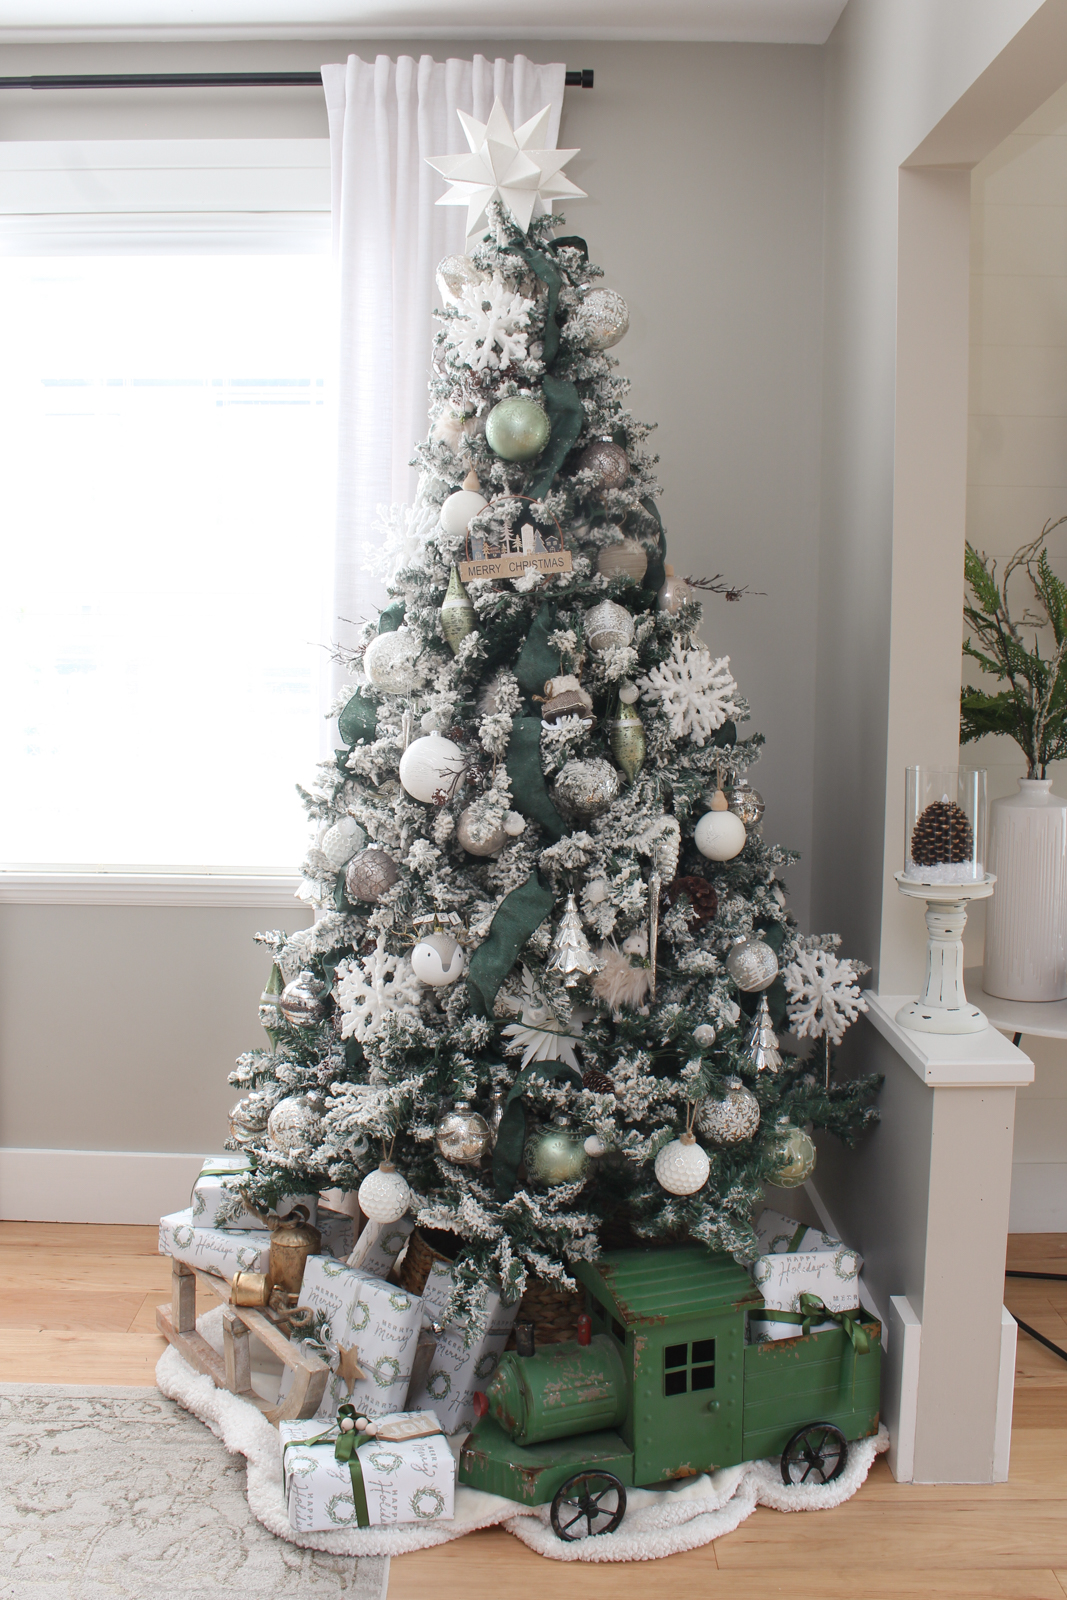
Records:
x=658, y=1522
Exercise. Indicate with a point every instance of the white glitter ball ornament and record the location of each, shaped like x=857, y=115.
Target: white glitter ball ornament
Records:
x=391, y=662
x=430, y=765
x=438, y=960
x=384, y=1195
x=682, y=1167
x=752, y=965
x=458, y=510
x=719, y=835
x=341, y=842
x=602, y=319
x=731, y=1119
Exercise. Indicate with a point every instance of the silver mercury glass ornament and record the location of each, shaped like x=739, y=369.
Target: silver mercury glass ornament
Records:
x=607, y=625
x=752, y=965
x=602, y=318
x=731, y=1119
x=248, y=1119
x=763, y=1041
x=572, y=958
x=608, y=460
x=584, y=789
x=302, y=1002
x=746, y=802
x=369, y=875
x=295, y=1125
x=462, y=1135
x=495, y=1112
x=674, y=593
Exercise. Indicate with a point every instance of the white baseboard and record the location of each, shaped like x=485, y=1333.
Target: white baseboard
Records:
x=1038, y=1197
x=900, y=1386
x=130, y=1186
x=1009, y=1334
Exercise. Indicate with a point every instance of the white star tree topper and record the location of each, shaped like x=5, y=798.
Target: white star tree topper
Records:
x=508, y=164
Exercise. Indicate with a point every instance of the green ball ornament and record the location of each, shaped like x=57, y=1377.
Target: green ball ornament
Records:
x=555, y=1155
x=517, y=429
x=796, y=1156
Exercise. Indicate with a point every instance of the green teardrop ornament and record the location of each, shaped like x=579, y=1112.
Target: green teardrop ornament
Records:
x=457, y=613
x=628, y=741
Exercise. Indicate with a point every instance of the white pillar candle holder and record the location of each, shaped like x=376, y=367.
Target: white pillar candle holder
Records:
x=943, y=1006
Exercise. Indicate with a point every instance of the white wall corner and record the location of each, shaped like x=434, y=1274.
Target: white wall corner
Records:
x=900, y=1386
x=1009, y=1333
x=116, y=1186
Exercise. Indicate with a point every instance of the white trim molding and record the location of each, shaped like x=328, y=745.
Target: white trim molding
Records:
x=951, y=1060
x=123, y=1186
x=104, y=888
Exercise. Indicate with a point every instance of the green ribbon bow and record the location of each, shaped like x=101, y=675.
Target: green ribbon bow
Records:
x=345, y=1446
x=347, y=1439
x=813, y=1310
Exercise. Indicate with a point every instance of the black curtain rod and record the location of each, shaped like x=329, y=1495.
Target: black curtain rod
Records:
x=204, y=80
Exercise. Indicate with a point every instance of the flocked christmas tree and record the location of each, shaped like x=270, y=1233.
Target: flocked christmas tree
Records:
x=550, y=956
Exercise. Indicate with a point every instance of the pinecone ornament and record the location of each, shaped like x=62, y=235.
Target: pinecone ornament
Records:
x=703, y=900
x=597, y=1082
x=942, y=834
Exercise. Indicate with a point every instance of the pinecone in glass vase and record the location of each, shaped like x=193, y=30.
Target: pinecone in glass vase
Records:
x=942, y=834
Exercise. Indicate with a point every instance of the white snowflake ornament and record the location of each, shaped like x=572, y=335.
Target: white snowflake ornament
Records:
x=695, y=691
x=368, y=991
x=824, y=994
x=490, y=331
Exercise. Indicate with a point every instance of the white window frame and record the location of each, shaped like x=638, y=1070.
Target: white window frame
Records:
x=60, y=197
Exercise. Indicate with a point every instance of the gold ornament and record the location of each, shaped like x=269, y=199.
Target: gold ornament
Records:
x=292, y=1240
x=457, y=613
x=628, y=741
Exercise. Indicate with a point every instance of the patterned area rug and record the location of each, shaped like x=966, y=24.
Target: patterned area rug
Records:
x=119, y=1494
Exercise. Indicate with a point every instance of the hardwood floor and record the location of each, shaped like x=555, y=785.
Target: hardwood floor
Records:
x=77, y=1305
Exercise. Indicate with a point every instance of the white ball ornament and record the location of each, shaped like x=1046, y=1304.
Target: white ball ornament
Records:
x=384, y=1195
x=720, y=835
x=341, y=842
x=682, y=1167
x=752, y=965
x=438, y=960
x=603, y=318
x=704, y=1035
x=458, y=510
x=430, y=765
x=391, y=662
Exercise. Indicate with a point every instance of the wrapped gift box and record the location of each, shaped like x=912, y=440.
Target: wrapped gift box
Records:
x=378, y=1246
x=798, y=1260
x=457, y=1370
x=379, y=1322
x=386, y=1482
x=764, y=1330
x=225, y=1251
x=216, y=1203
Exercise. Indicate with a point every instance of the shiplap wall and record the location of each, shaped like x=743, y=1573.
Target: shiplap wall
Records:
x=1017, y=477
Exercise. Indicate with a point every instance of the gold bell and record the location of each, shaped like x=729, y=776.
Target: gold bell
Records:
x=292, y=1240
x=250, y=1289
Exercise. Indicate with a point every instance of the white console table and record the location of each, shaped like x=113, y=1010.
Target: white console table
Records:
x=1041, y=1019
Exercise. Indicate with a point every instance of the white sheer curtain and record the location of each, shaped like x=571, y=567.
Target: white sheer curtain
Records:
x=386, y=117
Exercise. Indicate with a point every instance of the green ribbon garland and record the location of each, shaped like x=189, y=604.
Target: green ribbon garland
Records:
x=655, y=576
x=537, y=661
x=391, y=617
x=358, y=720
x=511, y=1134
x=813, y=1310
x=565, y=412
x=529, y=792
x=518, y=914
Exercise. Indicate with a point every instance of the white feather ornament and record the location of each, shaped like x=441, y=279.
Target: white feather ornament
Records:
x=619, y=985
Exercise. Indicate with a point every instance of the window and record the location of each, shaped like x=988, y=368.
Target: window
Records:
x=689, y=1367
x=168, y=491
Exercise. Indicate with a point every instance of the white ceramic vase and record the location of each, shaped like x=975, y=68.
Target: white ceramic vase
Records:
x=1026, y=920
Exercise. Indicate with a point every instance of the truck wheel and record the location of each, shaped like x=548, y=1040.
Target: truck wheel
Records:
x=595, y=1499
x=815, y=1454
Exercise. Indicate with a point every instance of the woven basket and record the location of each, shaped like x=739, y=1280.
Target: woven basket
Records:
x=553, y=1311
x=419, y=1257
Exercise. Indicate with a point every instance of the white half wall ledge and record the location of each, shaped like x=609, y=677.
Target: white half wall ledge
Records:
x=105, y=888
x=109, y=1186
x=951, y=1061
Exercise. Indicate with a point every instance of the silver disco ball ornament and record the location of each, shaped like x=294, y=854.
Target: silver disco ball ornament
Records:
x=608, y=461
x=369, y=875
x=584, y=789
x=752, y=965
x=555, y=1155
x=301, y=1002
x=608, y=625
x=602, y=319
x=295, y=1125
x=731, y=1119
x=249, y=1117
x=462, y=1135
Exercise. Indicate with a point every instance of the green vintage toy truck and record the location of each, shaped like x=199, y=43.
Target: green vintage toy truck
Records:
x=662, y=1385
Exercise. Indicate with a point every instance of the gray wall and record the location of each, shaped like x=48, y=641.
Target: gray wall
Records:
x=704, y=163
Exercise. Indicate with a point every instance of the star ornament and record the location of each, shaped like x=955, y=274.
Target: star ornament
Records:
x=506, y=164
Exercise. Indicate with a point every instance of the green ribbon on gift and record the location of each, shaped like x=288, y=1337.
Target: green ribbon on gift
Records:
x=511, y=1134
x=529, y=792
x=518, y=914
x=344, y=1449
x=347, y=1439
x=813, y=1310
